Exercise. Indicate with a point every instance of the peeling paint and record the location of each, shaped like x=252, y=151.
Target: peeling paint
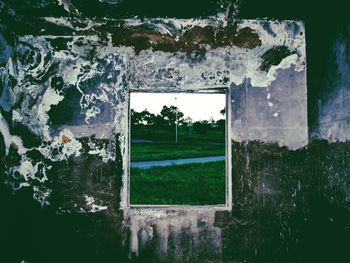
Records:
x=87, y=78
x=90, y=202
x=170, y=226
x=64, y=84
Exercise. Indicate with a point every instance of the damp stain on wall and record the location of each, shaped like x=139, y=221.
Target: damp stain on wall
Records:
x=64, y=88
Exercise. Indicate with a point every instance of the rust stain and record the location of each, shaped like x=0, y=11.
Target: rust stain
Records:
x=66, y=139
x=246, y=38
x=191, y=40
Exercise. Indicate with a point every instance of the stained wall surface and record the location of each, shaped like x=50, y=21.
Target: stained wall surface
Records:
x=65, y=75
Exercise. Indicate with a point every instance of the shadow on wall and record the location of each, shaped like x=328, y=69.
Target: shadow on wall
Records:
x=334, y=106
x=289, y=206
x=56, y=233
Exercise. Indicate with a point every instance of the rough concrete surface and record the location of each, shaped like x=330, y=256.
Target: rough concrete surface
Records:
x=65, y=72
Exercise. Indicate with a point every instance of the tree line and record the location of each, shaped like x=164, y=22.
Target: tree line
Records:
x=167, y=118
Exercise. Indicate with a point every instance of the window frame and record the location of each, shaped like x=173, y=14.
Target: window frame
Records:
x=228, y=148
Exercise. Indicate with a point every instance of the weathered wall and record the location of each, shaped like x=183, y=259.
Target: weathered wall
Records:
x=76, y=86
x=63, y=90
x=334, y=119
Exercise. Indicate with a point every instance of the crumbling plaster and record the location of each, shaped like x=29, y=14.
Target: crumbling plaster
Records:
x=87, y=76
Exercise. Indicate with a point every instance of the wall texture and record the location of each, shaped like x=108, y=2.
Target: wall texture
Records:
x=66, y=68
x=334, y=117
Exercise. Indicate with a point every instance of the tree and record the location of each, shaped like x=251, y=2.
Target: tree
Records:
x=170, y=114
x=212, y=122
x=144, y=117
x=201, y=127
x=187, y=124
x=187, y=120
x=221, y=124
x=148, y=118
x=136, y=117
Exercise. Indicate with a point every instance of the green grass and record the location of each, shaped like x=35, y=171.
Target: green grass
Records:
x=169, y=151
x=189, y=184
x=183, y=135
x=210, y=136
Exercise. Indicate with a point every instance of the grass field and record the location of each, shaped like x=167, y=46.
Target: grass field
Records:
x=169, y=151
x=183, y=135
x=190, y=184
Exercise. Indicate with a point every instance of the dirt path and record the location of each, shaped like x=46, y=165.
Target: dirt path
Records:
x=146, y=165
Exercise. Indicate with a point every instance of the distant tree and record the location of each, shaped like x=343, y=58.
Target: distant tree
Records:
x=144, y=117
x=187, y=124
x=201, y=127
x=158, y=121
x=187, y=121
x=221, y=124
x=136, y=117
x=170, y=114
x=148, y=118
x=212, y=122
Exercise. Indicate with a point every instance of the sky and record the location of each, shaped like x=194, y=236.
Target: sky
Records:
x=198, y=106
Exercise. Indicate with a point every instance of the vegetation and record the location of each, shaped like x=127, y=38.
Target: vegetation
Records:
x=169, y=150
x=148, y=124
x=190, y=184
x=167, y=117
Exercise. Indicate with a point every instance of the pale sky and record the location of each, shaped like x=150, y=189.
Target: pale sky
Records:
x=198, y=106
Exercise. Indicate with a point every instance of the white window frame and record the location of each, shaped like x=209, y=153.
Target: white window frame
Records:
x=228, y=148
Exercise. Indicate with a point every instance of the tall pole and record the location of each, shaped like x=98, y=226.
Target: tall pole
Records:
x=175, y=122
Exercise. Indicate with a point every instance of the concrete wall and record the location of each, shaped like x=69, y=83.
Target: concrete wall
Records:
x=65, y=77
x=334, y=119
